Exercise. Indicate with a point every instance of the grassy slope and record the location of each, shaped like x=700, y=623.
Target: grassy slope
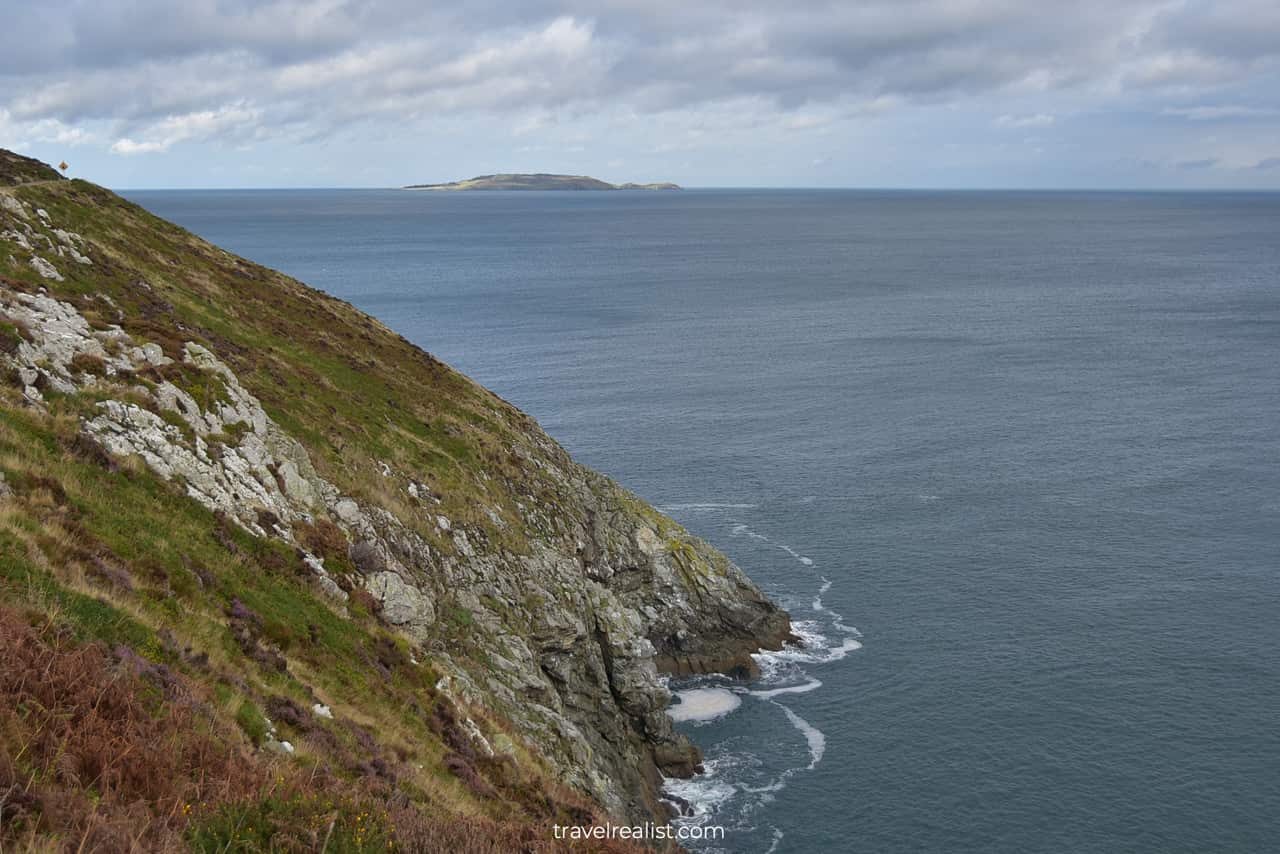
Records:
x=127, y=586
x=352, y=391
x=16, y=169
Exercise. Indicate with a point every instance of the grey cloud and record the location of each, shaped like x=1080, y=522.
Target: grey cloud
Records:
x=114, y=33
x=312, y=67
x=1239, y=32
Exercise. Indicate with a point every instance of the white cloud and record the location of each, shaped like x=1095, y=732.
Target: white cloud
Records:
x=808, y=121
x=1214, y=113
x=127, y=147
x=1038, y=120
x=205, y=124
x=19, y=134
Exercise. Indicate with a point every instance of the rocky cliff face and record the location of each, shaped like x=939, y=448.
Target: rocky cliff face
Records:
x=543, y=592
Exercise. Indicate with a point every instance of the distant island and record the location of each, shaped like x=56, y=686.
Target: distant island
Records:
x=538, y=181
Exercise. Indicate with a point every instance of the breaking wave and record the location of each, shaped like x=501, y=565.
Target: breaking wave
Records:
x=738, y=782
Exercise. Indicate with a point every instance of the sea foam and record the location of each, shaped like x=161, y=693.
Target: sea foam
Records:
x=816, y=740
x=705, y=793
x=803, y=688
x=742, y=530
x=703, y=704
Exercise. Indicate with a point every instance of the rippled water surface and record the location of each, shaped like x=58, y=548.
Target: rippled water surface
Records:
x=1012, y=460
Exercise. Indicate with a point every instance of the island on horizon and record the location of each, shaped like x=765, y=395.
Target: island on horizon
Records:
x=538, y=181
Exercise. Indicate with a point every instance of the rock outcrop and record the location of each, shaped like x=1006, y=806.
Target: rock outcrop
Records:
x=563, y=615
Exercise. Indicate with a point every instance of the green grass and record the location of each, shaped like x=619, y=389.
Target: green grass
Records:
x=90, y=619
x=251, y=720
x=338, y=827
x=10, y=336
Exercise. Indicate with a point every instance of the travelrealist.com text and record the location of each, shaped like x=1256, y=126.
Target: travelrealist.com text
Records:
x=639, y=832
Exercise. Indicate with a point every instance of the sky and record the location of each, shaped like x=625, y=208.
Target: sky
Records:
x=785, y=93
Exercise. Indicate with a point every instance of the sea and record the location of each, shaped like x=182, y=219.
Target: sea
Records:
x=1011, y=459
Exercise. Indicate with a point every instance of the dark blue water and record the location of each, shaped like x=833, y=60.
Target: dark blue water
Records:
x=1032, y=441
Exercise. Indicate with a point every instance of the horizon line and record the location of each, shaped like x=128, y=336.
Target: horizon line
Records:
x=683, y=188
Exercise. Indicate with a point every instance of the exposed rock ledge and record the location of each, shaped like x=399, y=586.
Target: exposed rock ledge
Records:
x=575, y=633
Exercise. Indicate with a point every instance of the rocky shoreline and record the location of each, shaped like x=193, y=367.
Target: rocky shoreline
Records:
x=568, y=635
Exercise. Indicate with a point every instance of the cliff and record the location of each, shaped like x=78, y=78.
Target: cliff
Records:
x=258, y=508
x=539, y=181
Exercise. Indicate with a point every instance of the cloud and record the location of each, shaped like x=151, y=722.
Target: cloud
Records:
x=41, y=131
x=1215, y=113
x=141, y=60
x=164, y=134
x=1038, y=120
x=139, y=77
x=127, y=146
x=808, y=121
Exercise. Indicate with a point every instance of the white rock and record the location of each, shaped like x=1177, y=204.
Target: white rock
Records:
x=45, y=269
x=348, y=511
x=331, y=588
x=647, y=541
x=403, y=604
x=150, y=354
x=284, y=748
x=13, y=206
x=67, y=238
x=17, y=237
x=462, y=544
x=477, y=737
x=295, y=485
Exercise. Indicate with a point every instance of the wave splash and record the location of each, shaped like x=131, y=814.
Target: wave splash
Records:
x=736, y=782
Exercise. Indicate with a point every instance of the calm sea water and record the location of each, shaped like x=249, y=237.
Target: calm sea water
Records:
x=1023, y=448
